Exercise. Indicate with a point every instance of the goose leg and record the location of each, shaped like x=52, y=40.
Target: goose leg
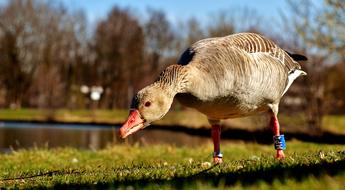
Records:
x=279, y=141
x=217, y=155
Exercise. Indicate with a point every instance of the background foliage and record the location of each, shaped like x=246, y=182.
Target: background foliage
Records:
x=48, y=52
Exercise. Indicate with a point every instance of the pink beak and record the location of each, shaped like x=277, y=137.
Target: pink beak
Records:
x=133, y=124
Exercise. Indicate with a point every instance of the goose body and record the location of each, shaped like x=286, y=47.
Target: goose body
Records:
x=224, y=77
x=236, y=75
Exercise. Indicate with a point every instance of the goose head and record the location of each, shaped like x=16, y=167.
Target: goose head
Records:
x=148, y=105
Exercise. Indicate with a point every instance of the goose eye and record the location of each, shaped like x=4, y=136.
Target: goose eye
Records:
x=147, y=104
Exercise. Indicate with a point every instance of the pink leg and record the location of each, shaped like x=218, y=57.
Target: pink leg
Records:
x=217, y=157
x=276, y=131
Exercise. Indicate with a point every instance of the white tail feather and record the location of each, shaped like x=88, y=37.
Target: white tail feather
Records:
x=291, y=77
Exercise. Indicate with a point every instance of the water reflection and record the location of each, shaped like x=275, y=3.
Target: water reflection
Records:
x=15, y=135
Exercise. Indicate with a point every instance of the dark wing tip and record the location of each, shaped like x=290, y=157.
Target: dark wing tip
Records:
x=186, y=57
x=297, y=57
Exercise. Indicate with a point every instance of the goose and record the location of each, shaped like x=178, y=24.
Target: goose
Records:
x=222, y=77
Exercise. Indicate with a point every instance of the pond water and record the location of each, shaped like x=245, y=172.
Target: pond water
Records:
x=16, y=135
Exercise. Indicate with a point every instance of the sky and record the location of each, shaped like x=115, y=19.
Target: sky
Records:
x=176, y=10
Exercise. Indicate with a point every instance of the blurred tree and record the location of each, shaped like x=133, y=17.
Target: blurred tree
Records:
x=330, y=29
x=189, y=32
x=194, y=31
x=329, y=37
x=300, y=27
x=317, y=31
x=221, y=25
x=334, y=89
x=40, y=45
x=119, y=46
x=16, y=68
x=226, y=22
x=159, y=38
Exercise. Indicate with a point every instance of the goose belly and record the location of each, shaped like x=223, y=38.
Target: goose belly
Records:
x=225, y=107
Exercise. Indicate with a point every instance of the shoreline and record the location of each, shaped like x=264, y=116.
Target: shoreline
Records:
x=261, y=136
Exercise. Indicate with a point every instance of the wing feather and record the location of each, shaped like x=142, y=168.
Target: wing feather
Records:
x=255, y=43
x=248, y=42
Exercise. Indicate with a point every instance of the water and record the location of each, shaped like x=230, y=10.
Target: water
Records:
x=16, y=135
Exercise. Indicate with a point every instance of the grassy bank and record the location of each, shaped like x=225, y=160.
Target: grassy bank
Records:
x=187, y=118
x=246, y=166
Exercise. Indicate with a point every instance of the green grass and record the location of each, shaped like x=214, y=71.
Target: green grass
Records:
x=246, y=166
x=334, y=123
x=23, y=114
x=64, y=115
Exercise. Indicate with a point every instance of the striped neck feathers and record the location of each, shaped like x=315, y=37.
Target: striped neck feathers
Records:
x=173, y=79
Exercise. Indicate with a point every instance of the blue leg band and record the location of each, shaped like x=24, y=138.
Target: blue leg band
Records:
x=217, y=154
x=279, y=142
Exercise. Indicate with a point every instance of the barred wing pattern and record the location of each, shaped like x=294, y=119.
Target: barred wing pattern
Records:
x=255, y=43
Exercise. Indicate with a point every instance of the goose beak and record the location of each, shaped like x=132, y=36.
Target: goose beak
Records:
x=133, y=124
